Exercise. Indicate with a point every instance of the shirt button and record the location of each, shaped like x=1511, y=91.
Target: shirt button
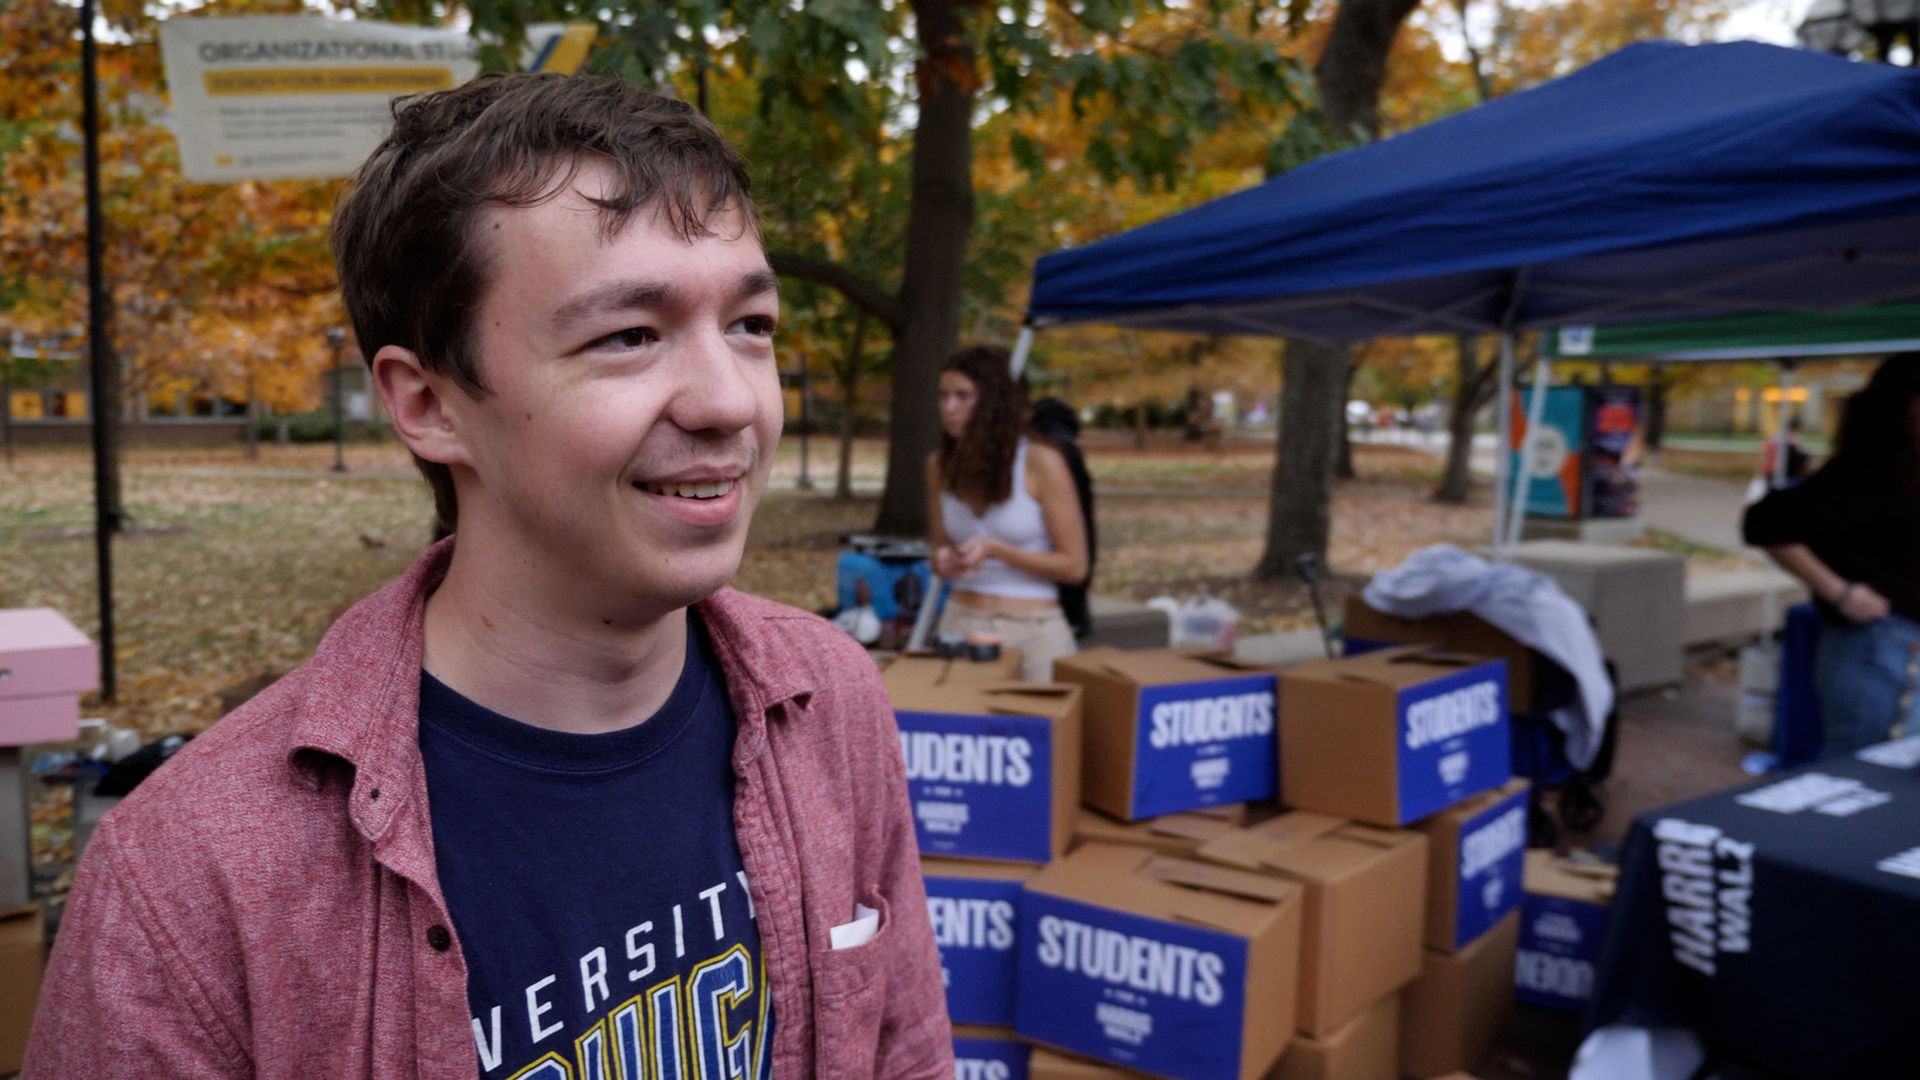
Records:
x=439, y=938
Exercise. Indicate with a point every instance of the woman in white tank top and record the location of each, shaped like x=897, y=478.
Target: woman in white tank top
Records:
x=1004, y=515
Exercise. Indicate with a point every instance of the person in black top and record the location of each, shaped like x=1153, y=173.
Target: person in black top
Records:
x=1851, y=532
x=1054, y=421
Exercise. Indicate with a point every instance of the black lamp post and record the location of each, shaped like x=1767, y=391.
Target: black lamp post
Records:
x=805, y=482
x=336, y=337
x=1846, y=26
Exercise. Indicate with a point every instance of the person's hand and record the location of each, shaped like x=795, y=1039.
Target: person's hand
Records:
x=948, y=564
x=1861, y=604
x=976, y=551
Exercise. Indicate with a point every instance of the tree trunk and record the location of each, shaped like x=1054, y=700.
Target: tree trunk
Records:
x=849, y=396
x=1299, y=513
x=253, y=421
x=1349, y=75
x=1469, y=396
x=1343, y=463
x=938, y=221
x=1656, y=427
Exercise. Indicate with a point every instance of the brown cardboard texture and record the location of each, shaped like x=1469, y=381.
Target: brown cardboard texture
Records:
x=1588, y=883
x=22, y=949
x=1260, y=908
x=1339, y=729
x=1112, y=679
x=1168, y=834
x=1360, y=938
x=928, y=666
x=916, y=684
x=1453, y=1015
x=1460, y=631
x=1366, y=1047
x=1443, y=873
x=1050, y=1064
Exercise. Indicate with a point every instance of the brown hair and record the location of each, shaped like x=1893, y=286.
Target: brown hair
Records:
x=978, y=466
x=412, y=272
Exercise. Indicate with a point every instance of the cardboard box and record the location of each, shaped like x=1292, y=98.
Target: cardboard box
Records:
x=1476, y=851
x=1168, y=834
x=1045, y=1064
x=23, y=948
x=927, y=667
x=1366, y=1047
x=45, y=665
x=1167, y=966
x=993, y=768
x=975, y=910
x=1452, y=1017
x=1368, y=630
x=989, y=1053
x=1563, y=922
x=1364, y=887
x=1392, y=736
x=1172, y=729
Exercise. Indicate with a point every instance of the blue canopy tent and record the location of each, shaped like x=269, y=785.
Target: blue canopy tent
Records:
x=1662, y=182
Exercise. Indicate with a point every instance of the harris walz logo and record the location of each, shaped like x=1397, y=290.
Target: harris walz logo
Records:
x=1706, y=879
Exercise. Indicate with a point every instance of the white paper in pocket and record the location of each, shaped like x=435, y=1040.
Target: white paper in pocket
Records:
x=865, y=924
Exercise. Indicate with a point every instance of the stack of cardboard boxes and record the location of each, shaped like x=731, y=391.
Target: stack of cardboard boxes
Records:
x=1357, y=936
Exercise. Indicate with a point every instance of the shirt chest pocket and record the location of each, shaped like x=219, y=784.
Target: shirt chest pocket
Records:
x=849, y=996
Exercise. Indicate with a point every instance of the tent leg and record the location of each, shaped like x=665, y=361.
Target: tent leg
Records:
x=1502, y=451
x=1770, y=601
x=1536, y=411
x=1021, y=347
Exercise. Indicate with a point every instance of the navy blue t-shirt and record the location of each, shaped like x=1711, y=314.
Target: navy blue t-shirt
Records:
x=596, y=888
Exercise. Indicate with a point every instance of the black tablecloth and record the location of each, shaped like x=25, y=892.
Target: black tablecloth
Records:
x=1780, y=921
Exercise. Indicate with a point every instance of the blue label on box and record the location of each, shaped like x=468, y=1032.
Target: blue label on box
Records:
x=982, y=786
x=990, y=1059
x=1559, y=945
x=1453, y=739
x=973, y=924
x=1204, y=744
x=1153, y=995
x=1492, y=861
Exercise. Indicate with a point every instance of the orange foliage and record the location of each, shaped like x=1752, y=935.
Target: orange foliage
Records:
x=223, y=287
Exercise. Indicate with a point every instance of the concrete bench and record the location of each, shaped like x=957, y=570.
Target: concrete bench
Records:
x=1732, y=607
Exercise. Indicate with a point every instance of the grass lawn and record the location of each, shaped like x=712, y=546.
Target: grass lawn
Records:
x=232, y=568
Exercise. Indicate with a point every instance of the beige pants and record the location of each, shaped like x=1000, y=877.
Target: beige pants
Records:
x=1041, y=636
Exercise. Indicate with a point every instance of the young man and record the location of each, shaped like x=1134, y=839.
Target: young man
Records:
x=557, y=804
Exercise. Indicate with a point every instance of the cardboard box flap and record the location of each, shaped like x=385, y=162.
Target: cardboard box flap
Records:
x=933, y=866
x=1218, y=879
x=998, y=698
x=21, y=926
x=1320, y=848
x=1550, y=875
x=1189, y=826
x=1155, y=667
x=1395, y=668
x=1298, y=825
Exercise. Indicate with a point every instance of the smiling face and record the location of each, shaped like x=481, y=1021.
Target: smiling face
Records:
x=958, y=396
x=633, y=401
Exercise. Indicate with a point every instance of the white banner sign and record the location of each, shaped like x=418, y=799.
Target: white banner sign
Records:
x=263, y=97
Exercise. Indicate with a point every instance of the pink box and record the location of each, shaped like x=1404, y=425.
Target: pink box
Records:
x=45, y=665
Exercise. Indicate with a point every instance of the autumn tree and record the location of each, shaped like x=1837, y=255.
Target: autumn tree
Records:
x=222, y=288
x=820, y=70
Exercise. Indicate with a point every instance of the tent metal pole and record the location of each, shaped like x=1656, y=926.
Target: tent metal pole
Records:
x=1502, y=464
x=1770, y=600
x=1021, y=347
x=1536, y=411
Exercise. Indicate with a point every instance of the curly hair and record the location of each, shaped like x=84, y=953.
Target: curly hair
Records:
x=978, y=466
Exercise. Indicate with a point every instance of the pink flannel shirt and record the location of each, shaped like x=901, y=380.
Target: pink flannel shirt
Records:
x=266, y=904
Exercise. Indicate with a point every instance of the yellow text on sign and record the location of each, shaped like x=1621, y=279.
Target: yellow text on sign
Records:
x=343, y=80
